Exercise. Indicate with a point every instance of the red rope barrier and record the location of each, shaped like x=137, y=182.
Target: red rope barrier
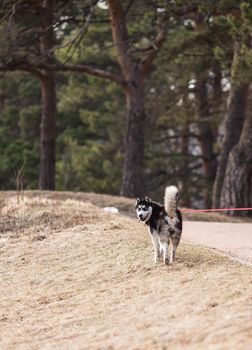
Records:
x=212, y=210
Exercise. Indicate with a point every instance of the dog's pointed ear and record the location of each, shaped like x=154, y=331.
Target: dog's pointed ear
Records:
x=147, y=199
x=137, y=201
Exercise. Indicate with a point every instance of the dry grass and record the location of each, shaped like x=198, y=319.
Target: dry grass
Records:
x=74, y=277
x=125, y=205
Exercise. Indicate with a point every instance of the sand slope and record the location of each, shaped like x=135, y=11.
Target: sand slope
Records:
x=74, y=277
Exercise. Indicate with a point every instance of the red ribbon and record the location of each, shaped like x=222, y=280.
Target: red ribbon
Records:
x=212, y=210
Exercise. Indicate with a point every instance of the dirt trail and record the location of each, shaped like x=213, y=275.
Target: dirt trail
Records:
x=234, y=239
x=74, y=277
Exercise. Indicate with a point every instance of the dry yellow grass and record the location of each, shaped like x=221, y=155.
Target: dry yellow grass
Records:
x=126, y=205
x=74, y=277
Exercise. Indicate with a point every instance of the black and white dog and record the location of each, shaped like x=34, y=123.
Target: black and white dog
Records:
x=164, y=222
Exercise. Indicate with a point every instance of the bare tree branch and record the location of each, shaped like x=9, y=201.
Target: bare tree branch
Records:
x=156, y=46
x=79, y=68
x=75, y=42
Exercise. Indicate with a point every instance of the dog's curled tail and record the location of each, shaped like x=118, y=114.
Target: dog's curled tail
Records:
x=171, y=200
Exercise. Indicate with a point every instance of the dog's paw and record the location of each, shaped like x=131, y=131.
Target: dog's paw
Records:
x=167, y=262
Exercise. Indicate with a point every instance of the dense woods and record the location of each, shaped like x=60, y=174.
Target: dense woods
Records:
x=124, y=97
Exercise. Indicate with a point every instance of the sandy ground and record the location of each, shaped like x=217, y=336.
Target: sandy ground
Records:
x=234, y=239
x=75, y=277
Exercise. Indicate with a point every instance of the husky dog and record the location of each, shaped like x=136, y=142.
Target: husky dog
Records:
x=164, y=223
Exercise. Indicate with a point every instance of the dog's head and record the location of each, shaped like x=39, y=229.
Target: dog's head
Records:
x=143, y=209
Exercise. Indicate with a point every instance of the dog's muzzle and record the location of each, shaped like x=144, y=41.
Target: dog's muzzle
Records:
x=141, y=217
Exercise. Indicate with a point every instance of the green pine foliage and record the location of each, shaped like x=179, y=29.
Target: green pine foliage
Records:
x=19, y=129
x=90, y=141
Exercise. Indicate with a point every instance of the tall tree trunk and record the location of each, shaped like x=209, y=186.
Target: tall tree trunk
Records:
x=132, y=183
x=234, y=122
x=207, y=139
x=237, y=183
x=48, y=95
x=185, y=166
x=134, y=93
x=134, y=75
x=47, y=132
x=236, y=108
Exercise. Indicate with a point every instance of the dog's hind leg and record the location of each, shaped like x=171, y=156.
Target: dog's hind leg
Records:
x=174, y=244
x=165, y=247
x=161, y=250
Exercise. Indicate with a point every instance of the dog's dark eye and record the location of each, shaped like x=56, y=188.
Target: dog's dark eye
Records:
x=145, y=208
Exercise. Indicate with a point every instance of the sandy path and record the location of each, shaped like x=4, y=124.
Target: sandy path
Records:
x=234, y=239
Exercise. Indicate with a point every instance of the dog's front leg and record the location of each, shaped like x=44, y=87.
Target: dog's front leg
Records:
x=156, y=246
